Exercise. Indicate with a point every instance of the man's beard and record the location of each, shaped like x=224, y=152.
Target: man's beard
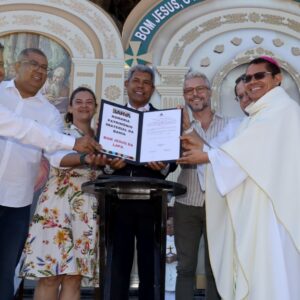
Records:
x=205, y=104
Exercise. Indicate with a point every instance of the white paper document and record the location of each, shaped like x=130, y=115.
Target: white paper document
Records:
x=139, y=137
x=160, y=135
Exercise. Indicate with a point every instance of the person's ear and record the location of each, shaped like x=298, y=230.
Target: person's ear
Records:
x=209, y=92
x=278, y=79
x=17, y=66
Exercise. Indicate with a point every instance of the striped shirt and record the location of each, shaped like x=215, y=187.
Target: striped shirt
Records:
x=188, y=174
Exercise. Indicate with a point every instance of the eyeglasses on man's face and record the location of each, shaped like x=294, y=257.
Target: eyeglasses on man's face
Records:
x=34, y=65
x=256, y=76
x=199, y=89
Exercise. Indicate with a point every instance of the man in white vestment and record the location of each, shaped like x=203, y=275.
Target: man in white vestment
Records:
x=253, y=195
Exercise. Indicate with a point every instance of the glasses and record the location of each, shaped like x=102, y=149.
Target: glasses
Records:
x=256, y=76
x=34, y=65
x=198, y=89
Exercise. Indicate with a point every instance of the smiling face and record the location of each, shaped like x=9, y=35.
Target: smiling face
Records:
x=139, y=89
x=258, y=88
x=243, y=97
x=83, y=107
x=197, y=94
x=31, y=74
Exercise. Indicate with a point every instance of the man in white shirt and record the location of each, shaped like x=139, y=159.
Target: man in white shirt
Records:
x=253, y=231
x=30, y=132
x=19, y=163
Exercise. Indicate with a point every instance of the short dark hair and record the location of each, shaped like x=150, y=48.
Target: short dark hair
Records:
x=271, y=67
x=1, y=47
x=143, y=69
x=237, y=81
x=25, y=52
x=68, y=115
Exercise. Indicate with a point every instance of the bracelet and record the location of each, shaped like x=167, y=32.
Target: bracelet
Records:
x=189, y=130
x=82, y=159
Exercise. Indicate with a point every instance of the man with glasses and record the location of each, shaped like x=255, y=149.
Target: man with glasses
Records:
x=229, y=131
x=19, y=163
x=28, y=131
x=253, y=230
x=189, y=209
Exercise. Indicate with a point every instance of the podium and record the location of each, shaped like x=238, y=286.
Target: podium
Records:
x=111, y=189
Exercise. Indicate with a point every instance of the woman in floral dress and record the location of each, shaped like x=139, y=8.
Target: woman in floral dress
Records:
x=61, y=250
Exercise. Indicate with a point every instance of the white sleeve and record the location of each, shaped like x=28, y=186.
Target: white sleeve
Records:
x=28, y=131
x=226, y=134
x=57, y=124
x=227, y=173
x=56, y=157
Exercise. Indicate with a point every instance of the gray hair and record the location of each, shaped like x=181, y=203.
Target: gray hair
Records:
x=195, y=74
x=141, y=68
x=27, y=51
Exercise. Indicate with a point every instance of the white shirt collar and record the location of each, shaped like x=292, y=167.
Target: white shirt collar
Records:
x=11, y=85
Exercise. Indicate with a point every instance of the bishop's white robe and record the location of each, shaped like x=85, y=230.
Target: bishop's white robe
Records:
x=254, y=230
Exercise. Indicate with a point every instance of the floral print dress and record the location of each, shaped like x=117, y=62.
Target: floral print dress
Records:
x=63, y=235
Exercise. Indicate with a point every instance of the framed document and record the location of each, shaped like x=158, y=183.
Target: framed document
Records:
x=140, y=137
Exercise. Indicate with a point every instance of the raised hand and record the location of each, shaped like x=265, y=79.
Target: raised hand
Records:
x=191, y=141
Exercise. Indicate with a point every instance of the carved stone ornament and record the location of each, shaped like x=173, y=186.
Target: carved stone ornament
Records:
x=172, y=80
x=278, y=42
x=295, y=51
x=258, y=51
x=112, y=92
x=254, y=17
x=230, y=19
x=236, y=41
x=205, y=62
x=219, y=49
x=257, y=39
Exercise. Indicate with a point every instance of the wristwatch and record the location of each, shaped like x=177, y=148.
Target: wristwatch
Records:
x=82, y=159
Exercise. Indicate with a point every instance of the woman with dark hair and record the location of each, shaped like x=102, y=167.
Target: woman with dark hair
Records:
x=61, y=249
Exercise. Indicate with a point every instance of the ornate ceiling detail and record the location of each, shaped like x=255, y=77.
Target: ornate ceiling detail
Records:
x=257, y=39
x=295, y=51
x=215, y=23
x=205, y=62
x=219, y=49
x=278, y=42
x=236, y=41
